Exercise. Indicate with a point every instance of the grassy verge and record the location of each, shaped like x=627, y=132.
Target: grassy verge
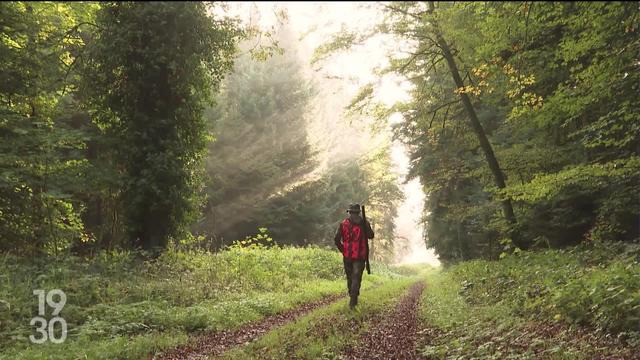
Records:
x=119, y=307
x=323, y=333
x=579, y=303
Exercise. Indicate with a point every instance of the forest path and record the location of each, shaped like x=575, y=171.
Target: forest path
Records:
x=393, y=335
x=215, y=343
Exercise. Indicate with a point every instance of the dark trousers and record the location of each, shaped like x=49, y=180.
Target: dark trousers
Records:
x=354, y=270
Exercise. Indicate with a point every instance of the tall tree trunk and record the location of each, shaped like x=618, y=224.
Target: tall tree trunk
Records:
x=498, y=176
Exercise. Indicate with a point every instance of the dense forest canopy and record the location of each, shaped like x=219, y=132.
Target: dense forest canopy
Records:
x=135, y=136
x=523, y=123
x=132, y=125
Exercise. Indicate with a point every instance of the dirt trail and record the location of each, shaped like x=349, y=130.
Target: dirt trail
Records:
x=215, y=343
x=392, y=336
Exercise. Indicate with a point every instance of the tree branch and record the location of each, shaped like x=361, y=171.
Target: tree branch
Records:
x=432, y=118
x=443, y=105
x=526, y=22
x=411, y=59
x=405, y=12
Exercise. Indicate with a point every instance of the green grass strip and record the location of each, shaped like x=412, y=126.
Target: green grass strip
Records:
x=320, y=334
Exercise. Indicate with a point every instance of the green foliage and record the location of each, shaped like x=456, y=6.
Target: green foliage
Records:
x=261, y=146
x=42, y=139
x=340, y=41
x=598, y=286
x=259, y=241
x=76, y=121
x=537, y=303
x=116, y=298
x=148, y=74
x=555, y=87
x=606, y=298
x=311, y=212
x=261, y=117
x=116, y=347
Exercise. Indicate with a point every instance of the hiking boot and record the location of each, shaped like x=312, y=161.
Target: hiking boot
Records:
x=353, y=302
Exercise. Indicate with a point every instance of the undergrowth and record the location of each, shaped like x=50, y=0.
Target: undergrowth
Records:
x=121, y=307
x=573, y=303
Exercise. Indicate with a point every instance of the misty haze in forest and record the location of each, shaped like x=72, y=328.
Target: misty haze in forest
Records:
x=288, y=156
x=180, y=179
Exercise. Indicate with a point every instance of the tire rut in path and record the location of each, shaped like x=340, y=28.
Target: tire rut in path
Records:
x=215, y=343
x=393, y=336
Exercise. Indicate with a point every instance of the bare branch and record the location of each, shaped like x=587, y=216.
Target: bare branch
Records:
x=446, y=113
x=443, y=105
x=434, y=62
x=405, y=65
x=433, y=117
x=405, y=12
x=526, y=22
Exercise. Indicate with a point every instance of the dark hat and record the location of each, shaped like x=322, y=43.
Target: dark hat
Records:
x=355, y=208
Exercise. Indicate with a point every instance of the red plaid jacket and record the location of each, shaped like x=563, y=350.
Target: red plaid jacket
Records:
x=350, y=239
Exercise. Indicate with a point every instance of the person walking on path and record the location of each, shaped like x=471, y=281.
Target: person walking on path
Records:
x=351, y=239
